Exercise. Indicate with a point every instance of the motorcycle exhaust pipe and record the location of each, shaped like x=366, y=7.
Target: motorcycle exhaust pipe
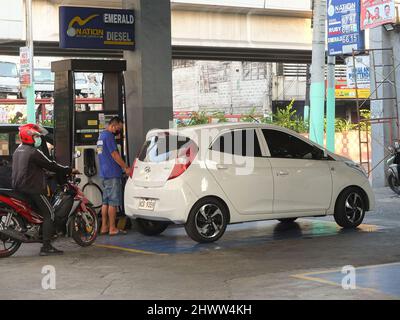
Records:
x=15, y=235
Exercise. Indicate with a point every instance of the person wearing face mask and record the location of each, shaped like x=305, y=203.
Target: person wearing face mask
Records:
x=29, y=178
x=112, y=167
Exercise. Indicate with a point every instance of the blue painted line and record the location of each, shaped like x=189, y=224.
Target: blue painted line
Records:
x=383, y=278
x=175, y=241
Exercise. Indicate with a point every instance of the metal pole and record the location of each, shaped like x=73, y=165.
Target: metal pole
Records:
x=317, y=94
x=30, y=90
x=306, y=115
x=330, y=105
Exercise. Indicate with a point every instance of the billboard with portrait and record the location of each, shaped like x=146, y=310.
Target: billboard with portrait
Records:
x=375, y=13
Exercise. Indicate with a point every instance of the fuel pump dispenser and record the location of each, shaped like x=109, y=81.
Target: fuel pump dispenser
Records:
x=78, y=122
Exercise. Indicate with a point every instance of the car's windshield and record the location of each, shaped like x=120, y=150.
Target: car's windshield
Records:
x=44, y=75
x=8, y=69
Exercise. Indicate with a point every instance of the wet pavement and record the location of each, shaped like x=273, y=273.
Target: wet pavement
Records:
x=261, y=260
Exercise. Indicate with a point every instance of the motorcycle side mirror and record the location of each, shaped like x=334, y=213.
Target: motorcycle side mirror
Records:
x=77, y=154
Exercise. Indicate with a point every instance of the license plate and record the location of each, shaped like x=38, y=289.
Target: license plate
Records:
x=147, y=204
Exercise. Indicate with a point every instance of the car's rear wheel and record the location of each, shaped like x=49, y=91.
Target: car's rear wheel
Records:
x=207, y=220
x=350, y=208
x=151, y=228
x=287, y=220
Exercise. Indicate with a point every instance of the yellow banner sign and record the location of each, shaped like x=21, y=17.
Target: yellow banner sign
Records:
x=347, y=93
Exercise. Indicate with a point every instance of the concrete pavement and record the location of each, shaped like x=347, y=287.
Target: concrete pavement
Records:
x=252, y=261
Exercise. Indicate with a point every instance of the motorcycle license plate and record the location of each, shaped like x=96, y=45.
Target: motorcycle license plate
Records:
x=147, y=204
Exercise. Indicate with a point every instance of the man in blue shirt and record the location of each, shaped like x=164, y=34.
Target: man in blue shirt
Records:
x=112, y=167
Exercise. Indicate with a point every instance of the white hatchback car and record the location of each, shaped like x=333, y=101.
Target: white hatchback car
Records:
x=206, y=177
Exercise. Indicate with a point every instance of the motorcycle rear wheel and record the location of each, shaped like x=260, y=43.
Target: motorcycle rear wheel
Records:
x=84, y=235
x=394, y=184
x=13, y=245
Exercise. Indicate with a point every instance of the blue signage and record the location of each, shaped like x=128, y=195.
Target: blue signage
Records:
x=97, y=28
x=344, y=32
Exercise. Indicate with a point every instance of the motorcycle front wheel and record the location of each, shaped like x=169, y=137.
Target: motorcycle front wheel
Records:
x=83, y=226
x=394, y=184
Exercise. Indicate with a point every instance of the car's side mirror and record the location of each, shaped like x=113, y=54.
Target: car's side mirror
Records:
x=77, y=154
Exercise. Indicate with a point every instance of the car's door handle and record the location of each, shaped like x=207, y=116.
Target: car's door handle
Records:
x=221, y=167
x=282, y=173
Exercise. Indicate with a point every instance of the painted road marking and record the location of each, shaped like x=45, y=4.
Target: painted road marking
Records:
x=378, y=279
x=128, y=249
x=175, y=241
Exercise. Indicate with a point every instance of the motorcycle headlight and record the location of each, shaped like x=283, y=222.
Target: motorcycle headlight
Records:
x=357, y=167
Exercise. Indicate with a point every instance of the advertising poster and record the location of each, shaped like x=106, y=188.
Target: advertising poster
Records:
x=342, y=91
x=344, y=32
x=360, y=71
x=97, y=28
x=375, y=13
x=25, y=67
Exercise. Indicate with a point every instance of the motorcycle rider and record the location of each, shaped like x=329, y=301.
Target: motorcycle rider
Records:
x=29, y=179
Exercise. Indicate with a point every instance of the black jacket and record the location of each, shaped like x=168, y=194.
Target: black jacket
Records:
x=28, y=175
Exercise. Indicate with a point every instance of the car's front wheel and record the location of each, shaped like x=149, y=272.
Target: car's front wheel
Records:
x=207, y=220
x=150, y=227
x=350, y=208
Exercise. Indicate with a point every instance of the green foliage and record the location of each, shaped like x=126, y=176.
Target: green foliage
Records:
x=365, y=115
x=48, y=123
x=289, y=119
x=17, y=119
x=196, y=118
x=220, y=116
x=342, y=125
x=284, y=117
x=250, y=116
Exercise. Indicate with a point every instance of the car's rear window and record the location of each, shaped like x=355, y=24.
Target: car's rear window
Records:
x=163, y=147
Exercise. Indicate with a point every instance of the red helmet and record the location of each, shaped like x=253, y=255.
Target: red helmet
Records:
x=28, y=131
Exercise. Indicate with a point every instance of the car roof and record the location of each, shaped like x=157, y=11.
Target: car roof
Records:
x=196, y=132
x=218, y=127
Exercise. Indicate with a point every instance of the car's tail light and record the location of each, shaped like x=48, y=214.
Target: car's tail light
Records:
x=185, y=158
x=133, y=168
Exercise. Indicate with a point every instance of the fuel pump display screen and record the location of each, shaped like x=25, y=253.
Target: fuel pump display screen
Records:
x=87, y=128
x=88, y=125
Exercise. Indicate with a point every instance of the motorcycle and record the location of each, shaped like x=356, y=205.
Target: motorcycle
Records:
x=394, y=167
x=20, y=223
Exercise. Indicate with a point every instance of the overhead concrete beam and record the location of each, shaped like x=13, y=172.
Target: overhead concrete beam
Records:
x=282, y=25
